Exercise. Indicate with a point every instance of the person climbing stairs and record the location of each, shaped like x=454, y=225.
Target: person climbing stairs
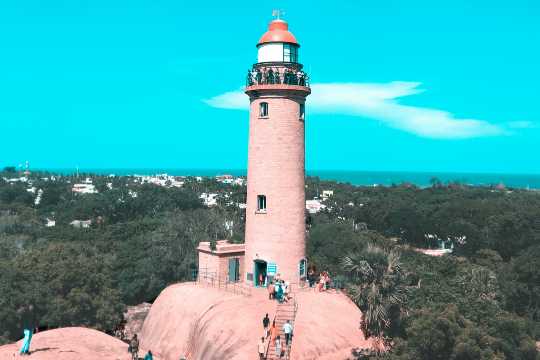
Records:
x=285, y=316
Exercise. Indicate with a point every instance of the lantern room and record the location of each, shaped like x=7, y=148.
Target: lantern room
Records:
x=278, y=44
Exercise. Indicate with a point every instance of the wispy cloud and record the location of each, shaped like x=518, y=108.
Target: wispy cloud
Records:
x=230, y=100
x=381, y=102
x=521, y=125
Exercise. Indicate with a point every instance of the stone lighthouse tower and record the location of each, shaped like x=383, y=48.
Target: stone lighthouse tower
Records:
x=275, y=225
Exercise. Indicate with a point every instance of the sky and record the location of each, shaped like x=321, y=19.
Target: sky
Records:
x=451, y=86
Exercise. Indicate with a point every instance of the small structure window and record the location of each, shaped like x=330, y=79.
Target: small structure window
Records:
x=261, y=203
x=302, y=111
x=263, y=109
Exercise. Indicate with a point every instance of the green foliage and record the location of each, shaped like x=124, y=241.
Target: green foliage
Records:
x=521, y=284
x=15, y=194
x=143, y=238
x=377, y=287
x=482, y=302
x=66, y=284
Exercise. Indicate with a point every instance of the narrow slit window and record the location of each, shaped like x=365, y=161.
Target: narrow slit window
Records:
x=302, y=111
x=261, y=202
x=263, y=109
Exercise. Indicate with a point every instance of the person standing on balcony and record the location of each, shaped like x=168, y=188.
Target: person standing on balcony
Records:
x=288, y=330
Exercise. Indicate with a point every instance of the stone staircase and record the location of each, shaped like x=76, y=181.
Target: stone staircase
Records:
x=284, y=311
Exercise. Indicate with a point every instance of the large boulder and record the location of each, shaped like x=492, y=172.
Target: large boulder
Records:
x=73, y=343
x=201, y=322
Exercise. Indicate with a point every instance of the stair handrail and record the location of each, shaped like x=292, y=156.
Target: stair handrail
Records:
x=293, y=320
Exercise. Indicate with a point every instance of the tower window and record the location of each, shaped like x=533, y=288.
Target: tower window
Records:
x=290, y=53
x=263, y=109
x=261, y=203
x=302, y=112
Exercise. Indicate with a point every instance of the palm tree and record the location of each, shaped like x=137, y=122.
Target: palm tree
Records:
x=378, y=288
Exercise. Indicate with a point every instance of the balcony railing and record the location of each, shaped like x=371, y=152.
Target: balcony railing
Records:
x=267, y=75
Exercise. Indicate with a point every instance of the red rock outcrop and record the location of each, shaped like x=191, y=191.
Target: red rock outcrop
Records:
x=202, y=322
x=73, y=343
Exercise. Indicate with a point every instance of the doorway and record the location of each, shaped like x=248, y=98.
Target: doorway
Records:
x=234, y=270
x=259, y=273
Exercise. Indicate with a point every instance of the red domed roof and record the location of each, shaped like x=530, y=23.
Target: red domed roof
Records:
x=278, y=31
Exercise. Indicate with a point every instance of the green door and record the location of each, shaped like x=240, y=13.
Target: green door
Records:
x=234, y=270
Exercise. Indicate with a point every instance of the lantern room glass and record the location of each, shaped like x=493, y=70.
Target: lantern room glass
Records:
x=290, y=53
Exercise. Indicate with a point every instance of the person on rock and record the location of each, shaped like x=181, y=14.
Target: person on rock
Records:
x=271, y=291
x=311, y=277
x=320, y=285
x=149, y=355
x=261, y=348
x=273, y=332
x=134, y=345
x=288, y=330
x=279, y=291
x=278, y=347
x=28, y=328
x=25, y=350
x=266, y=325
x=286, y=291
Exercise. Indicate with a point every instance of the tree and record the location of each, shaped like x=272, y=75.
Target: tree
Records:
x=378, y=289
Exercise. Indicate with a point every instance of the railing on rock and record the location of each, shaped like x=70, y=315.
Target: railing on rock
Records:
x=213, y=280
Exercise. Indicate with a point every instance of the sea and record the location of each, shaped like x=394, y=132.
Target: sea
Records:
x=365, y=178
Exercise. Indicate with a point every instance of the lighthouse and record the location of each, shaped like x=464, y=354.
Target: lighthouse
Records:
x=277, y=88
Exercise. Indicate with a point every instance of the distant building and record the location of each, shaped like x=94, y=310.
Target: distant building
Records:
x=50, y=222
x=14, y=180
x=225, y=179
x=327, y=193
x=161, y=180
x=209, y=199
x=239, y=181
x=314, y=206
x=81, y=224
x=84, y=188
x=37, y=200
